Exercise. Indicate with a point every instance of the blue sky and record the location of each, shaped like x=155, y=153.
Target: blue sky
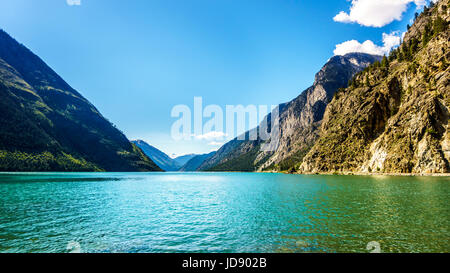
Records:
x=135, y=60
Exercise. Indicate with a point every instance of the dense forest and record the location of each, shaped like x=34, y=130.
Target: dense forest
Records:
x=45, y=125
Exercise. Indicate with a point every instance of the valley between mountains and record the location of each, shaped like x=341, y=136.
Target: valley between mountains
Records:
x=363, y=114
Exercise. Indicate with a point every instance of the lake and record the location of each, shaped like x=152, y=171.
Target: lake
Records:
x=222, y=212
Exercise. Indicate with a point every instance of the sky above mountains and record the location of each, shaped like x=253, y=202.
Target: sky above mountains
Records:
x=135, y=60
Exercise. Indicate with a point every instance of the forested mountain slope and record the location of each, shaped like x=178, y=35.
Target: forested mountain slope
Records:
x=45, y=125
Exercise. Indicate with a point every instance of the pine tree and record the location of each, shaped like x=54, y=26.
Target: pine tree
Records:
x=393, y=55
x=413, y=46
x=426, y=36
x=439, y=25
x=400, y=56
x=384, y=62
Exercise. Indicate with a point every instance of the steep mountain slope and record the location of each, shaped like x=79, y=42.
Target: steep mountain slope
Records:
x=45, y=125
x=161, y=159
x=299, y=121
x=394, y=116
x=193, y=164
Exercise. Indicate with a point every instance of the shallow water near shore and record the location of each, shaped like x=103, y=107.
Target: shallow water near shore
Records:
x=222, y=212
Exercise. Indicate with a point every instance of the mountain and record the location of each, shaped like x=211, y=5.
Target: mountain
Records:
x=45, y=125
x=181, y=160
x=185, y=163
x=394, y=116
x=299, y=122
x=161, y=159
x=194, y=164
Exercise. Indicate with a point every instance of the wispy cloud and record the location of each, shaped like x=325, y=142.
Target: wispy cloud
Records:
x=389, y=42
x=376, y=13
x=211, y=135
x=73, y=2
x=215, y=143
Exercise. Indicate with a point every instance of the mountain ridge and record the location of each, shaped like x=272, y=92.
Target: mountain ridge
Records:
x=46, y=125
x=161, y=159
x=183, y=159
x=399, y=109
x=194, y=163
x=299, y=121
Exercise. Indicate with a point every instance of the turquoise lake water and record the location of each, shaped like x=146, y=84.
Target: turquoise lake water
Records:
x=222, y=212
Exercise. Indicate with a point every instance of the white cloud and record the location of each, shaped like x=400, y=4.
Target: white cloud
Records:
x=215, y=143
x=376, y=13
x=355, y=46
x=211, y=135
x=73, y=2
x=389, y=42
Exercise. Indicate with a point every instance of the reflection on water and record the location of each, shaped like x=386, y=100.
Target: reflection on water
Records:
x=221, y=212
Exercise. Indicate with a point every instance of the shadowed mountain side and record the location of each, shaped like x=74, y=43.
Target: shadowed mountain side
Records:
x=45, y=125
x=160, y=158
x=182, y=160
x=195, y=162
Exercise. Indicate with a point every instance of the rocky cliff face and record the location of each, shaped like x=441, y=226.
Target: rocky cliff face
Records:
x=299, y=122
x=45, y=125
x=394, y=117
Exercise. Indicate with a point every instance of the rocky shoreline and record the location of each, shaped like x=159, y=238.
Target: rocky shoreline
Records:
x=365, y=174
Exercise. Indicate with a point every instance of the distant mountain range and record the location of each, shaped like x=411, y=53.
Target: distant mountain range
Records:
x=160, y=158
x=194, y=163
x=181, y=160
x=299, y=122
x=185, y=163
x=45, y=125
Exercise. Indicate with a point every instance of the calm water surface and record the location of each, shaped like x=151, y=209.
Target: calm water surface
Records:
x=222, y=212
